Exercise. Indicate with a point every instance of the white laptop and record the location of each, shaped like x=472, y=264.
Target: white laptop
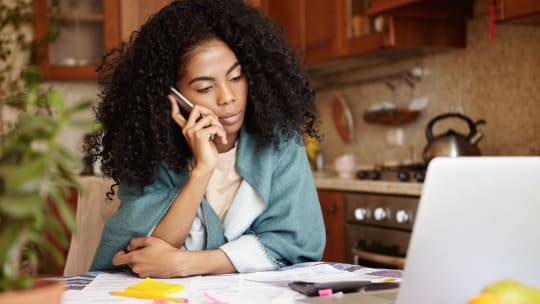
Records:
x=478, y=222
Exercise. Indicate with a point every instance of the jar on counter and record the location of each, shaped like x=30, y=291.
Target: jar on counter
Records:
x=319, y=161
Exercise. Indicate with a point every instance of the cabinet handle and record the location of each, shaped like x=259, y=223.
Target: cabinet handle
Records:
x=332, y=208
x=379, y=258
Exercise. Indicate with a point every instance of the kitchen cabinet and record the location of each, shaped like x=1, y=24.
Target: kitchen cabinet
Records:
x=325, y=31
x=134, y=13
x=334, y=220
x=87, y=29
x=309, y=25
x=432, y=9
x=518, y=11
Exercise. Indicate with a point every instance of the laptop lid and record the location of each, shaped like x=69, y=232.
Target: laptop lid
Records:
x=478, y=222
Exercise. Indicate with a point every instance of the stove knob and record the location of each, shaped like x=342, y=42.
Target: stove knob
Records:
x=403, y=217
x=403, y=176
x=381, y=214
x=420, y=176
x=361, y=214
x=374, y=175
x=362, y=174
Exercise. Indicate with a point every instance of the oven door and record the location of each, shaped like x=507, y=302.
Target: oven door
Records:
x=373, y=246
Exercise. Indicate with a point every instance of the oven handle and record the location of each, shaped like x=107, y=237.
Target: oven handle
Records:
x=379, y=258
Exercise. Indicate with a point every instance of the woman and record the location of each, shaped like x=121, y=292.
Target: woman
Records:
x=227, y=188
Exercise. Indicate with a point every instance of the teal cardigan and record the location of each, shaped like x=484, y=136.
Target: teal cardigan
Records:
x=290, y=228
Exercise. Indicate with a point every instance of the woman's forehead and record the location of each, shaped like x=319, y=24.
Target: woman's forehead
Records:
x=209, y=56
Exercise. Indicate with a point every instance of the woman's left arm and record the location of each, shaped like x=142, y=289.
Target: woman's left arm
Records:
x=152, y=257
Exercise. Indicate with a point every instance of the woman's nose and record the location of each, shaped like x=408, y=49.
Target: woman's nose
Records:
x=227, y=95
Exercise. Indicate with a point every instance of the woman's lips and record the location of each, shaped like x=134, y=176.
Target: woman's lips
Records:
x=230, y=119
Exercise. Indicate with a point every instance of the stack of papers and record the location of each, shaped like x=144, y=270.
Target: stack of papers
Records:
x=239, y=288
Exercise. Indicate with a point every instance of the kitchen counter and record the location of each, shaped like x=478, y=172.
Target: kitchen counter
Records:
x=328, y=181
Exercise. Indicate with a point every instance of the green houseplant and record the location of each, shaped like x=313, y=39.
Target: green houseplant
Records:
x=36, y=170
x=36, y=174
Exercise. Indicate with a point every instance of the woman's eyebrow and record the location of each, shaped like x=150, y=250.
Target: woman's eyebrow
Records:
x=206, y=78
x=202, y=78
x=232, y=68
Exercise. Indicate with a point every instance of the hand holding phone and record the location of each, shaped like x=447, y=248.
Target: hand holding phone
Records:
x=184, y=103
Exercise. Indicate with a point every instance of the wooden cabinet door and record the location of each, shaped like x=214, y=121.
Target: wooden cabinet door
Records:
x=514, y=9
x=134, y=13
x=334, y=220
x=381, y=6
x=290, y=14
x=321, y=30
x=310, y=26
x=87, y=30
x=431, y=9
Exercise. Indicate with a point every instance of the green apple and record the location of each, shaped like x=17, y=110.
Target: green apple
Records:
x=513, y=292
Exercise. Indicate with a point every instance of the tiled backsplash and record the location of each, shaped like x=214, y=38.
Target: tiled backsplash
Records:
x=497, y=80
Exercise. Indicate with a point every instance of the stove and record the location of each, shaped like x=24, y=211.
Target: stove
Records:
x=379, y=225
x=399, y=172
x=378, y=228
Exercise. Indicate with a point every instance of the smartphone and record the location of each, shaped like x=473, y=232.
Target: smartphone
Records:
x=312, y=289
x=184, y=103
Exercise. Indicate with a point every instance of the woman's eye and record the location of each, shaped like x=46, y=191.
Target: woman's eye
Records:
x=237, y=78
x=204, y=90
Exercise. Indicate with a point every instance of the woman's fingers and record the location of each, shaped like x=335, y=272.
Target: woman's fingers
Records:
x=199, y=119
x=175, y=112
x=202, y=119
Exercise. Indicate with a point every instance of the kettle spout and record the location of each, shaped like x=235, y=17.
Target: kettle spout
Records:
x=476, y=137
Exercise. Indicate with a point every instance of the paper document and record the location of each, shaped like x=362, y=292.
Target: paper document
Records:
x=259, y=287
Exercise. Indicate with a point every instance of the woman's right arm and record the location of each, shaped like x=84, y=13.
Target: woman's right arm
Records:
x=198, y=129
x=184, y=207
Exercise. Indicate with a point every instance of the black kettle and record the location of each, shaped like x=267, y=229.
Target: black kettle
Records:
x=452, y=143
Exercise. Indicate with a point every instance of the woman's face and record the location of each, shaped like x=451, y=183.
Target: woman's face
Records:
x=213, y=78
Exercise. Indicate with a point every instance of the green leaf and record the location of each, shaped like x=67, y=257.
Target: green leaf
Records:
x=81, y=106
x=9, y=245
x=22, y=282
x=21, y=206
x=56, y=101
x=65, y=211
x=90, y=126
x=32, y=76
x=34, y=127
x=67, y=159
x=57, y=231
x=16, y=100
x=24, y=177
x=56, y=254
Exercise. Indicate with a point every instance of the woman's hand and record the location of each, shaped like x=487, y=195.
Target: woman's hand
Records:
x=153, y=257
x=201, y=126
x=148, y=256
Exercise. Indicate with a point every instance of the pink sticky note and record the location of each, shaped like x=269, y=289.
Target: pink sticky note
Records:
x=213, y=299
x=325, y=292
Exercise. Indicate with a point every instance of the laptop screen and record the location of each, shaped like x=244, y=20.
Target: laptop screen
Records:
x=478, y=222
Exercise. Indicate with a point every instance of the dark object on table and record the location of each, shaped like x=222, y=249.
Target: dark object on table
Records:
x=312, y=289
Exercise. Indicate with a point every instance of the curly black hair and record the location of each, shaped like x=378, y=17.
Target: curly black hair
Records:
x=137, y=130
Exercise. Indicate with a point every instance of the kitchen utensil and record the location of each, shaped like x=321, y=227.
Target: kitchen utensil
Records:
x=452, y=143
x=343, y=119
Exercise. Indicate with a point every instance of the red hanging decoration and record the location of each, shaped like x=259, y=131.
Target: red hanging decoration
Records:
x=492, y=20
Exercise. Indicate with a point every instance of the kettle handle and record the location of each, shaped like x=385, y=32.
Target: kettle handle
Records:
x=470, y=122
